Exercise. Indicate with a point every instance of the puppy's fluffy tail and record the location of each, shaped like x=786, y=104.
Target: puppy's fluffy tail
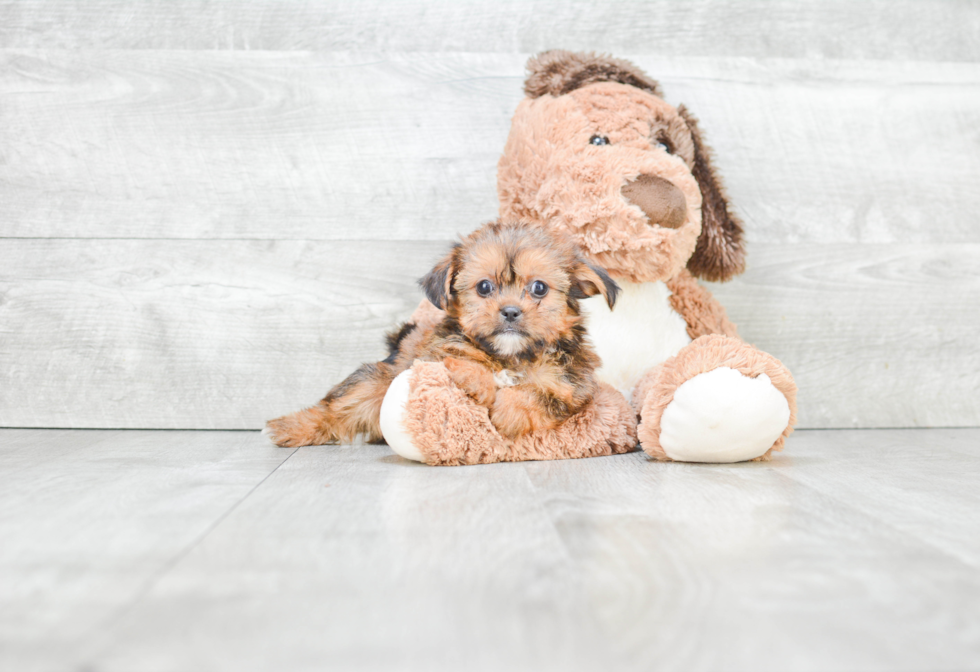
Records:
x=350, y=409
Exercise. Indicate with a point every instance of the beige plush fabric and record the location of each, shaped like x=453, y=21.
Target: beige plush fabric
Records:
x=592, y=124
x=557, y=72
x=550, y=174
x=656, y=389
x=450, y=429
x=426, y=315
x=702, y=312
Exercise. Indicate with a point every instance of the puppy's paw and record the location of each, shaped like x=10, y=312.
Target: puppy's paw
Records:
x=277, y=433
x=296, y=429
x=517, y=412
x=473, y=379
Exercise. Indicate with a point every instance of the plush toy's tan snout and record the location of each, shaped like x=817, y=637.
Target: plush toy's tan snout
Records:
x=659, y=199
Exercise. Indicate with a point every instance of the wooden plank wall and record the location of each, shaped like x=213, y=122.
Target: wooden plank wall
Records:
x=211, y=211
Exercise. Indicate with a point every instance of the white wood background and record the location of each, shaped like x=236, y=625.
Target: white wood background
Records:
x=211, y=212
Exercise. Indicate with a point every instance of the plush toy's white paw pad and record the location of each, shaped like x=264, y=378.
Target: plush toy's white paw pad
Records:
x=392, y=411
x=723, y=416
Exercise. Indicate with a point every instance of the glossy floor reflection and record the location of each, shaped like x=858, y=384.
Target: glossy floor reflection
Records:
x=142, y=550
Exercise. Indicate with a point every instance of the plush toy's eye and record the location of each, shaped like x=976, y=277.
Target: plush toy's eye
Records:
x=598, y=140
x=538, y=289
x=484, y=288
x=664, y=144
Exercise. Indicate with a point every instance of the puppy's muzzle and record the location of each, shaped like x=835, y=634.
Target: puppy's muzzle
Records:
x=510, y=313
x=662, y=202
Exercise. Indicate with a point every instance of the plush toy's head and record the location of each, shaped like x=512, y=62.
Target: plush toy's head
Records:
x=596, y=153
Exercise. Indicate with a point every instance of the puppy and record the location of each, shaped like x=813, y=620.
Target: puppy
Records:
x=512, y=338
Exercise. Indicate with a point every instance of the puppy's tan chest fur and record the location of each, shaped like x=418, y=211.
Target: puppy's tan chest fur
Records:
x=544, y=373
x=507, y=378
x=643, y=331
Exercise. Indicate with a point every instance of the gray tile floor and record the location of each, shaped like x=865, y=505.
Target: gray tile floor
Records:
x=143, y=550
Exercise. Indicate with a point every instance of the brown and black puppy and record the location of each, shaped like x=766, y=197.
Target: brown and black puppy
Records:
x=512, y=338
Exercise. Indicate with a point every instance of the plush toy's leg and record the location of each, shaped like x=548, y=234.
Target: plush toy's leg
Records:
x=426, y=417
x=392, y=412
x=718, y=400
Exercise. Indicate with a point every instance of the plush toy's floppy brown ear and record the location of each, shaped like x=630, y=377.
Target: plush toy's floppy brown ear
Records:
x=438, y=283
x=589, y=280
x=719, y=255
x=557, y=72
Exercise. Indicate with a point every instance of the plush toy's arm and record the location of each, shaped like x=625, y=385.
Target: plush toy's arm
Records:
x=427, y=418
x=426, y=315
x=700, y=310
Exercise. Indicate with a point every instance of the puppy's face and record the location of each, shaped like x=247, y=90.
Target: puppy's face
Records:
x=514, y=289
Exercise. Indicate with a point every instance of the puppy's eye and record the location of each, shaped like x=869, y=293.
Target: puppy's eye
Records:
x=484, y=288
x=598, y=140
x=664, y=144
x=538, y=289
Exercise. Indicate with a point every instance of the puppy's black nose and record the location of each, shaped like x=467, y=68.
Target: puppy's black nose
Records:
x=511, y=313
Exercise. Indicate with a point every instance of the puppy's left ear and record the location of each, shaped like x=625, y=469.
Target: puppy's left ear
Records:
x=589, y=280
x=719, y=254
x=438, y=283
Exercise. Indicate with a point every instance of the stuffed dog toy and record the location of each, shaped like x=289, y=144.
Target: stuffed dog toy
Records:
x=595, y=153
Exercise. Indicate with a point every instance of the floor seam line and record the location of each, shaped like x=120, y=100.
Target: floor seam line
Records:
x=539, y=500
x=171, y=563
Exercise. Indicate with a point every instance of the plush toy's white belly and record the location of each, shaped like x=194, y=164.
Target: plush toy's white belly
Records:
x=642, y=331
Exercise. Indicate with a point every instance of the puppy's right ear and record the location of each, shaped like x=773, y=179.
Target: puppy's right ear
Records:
x=438, y=283
x=590, y=280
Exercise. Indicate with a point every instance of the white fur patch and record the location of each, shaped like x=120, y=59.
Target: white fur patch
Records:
x=392, y=412
x=723, y=416
x=643, y=330
x=508, y=344
x=506, y=378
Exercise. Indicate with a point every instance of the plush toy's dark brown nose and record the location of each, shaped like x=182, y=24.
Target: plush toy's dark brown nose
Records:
x=659, y=199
